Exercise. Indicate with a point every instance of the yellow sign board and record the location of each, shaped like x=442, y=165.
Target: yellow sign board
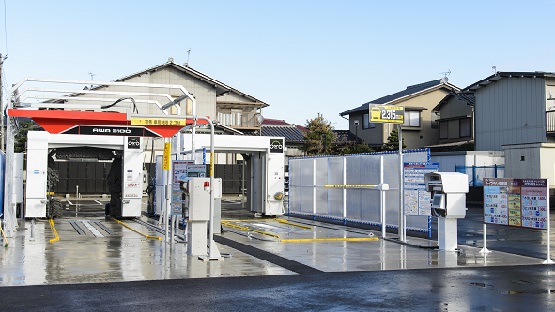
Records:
x=158, y=122
x=387, y=114
x=166, y=158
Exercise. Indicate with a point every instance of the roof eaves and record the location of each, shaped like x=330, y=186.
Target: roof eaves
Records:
x=421, y=92
x=195, y=73
x=501, y=75
x=394, y=100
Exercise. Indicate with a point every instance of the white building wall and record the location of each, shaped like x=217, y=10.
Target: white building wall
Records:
x=510, y=111
x=534, y=161
x=204, y=93
x=449, y=160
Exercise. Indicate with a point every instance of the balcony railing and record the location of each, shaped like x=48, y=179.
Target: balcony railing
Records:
x=550, y=122
x=238, y=120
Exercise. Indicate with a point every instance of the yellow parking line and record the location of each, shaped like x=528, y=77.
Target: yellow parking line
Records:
x=56, y=236
x=241, y=220
x=246, y=228
x=266, y=233
x=293, y=224
x=329, y=239
x=136, y=231
x=235, y=226
x=4, y=236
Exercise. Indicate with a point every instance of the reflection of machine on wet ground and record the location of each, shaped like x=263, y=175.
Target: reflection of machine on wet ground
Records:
x=84, y=207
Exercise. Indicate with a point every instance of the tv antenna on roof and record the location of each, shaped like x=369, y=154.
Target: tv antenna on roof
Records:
x=92, y=77
x=188, y=54
x=445, y=74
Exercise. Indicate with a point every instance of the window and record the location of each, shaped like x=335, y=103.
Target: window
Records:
x=435, y=118
x=412, y=119
x=366, y=124
x=465, y=128
x=460, y=128
x=444, y=130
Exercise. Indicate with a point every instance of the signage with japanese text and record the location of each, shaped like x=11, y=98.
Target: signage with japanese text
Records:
x=516, y=202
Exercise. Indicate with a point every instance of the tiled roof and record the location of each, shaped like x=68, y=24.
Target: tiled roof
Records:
x=274, y=122
x=292, y=134
x=468, y=98
x=410, y=90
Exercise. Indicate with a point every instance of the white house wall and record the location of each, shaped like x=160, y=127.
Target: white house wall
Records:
x=510, y=111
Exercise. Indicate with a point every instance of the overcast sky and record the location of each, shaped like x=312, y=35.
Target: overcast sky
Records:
x=301, y=57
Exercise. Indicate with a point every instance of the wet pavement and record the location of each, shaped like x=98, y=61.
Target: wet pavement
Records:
x=521, y=288
x=275, y=263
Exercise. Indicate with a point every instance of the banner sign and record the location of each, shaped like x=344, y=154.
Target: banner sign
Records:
x=516, y=202
x=112, y=130
x=387, y=114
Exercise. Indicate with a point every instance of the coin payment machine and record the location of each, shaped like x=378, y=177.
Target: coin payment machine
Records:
x=197, y=202
x=448, y=193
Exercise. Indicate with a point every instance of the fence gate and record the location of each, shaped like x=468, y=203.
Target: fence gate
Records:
x=308, y=195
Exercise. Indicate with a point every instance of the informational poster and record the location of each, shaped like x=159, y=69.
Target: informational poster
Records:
x=183, y=170
x=179, y=174
x=416, y=198
x=516, y=202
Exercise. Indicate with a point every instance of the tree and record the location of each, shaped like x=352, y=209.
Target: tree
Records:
x=393, y=141
x=20, y=139
x=319, y=136
x=358, y=148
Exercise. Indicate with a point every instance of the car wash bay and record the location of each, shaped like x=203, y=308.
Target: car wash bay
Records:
x=92, y=248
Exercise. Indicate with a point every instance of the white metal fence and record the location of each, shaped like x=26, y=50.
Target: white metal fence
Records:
x=309, y=196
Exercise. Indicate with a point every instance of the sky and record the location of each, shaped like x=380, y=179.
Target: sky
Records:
x=302, y=57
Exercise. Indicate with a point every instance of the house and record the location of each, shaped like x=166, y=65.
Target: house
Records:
x=420, y=128
x=231, y=110
x=515, y=113
x=220, y=102
x=293, y=134
x=455, y=120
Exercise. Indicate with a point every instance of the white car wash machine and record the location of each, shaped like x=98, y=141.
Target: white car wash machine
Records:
x=128, y=168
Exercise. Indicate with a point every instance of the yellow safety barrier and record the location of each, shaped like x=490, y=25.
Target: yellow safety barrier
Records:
x=293, y=224
x=332, y=239
x=350, y=185
x=136, y=231
x=56, y=236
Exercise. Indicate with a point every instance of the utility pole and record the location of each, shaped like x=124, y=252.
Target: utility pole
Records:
x=2, y=131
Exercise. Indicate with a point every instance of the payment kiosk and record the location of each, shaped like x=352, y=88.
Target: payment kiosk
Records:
x=448, y=193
